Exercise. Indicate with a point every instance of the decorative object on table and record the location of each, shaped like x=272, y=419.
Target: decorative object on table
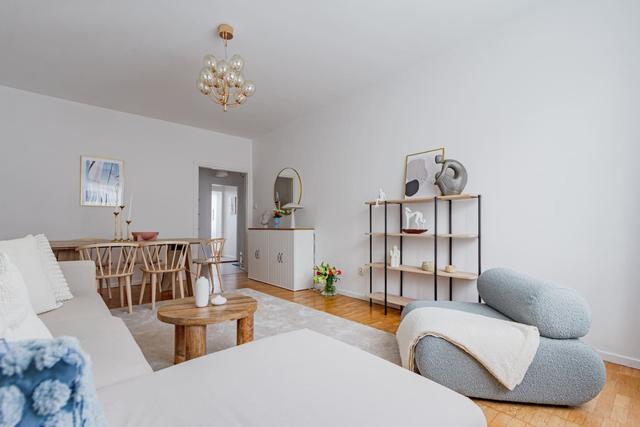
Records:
x=202, y=291
x=287, y=188
x=218, y=299
x=116, y=212
x=265, y=218
x=326, y=275
x=381, y=197
x=129, y=219
x=121, y=236
x=452, y=178
x=450, y=268
x=418, y=219
x=419, y=173
x=48, y=382
x=277, y=215
x=222, y=81
x=101, y=181
x=292, y=207
x=144, y=236
x=428, y=266
x=394, y=257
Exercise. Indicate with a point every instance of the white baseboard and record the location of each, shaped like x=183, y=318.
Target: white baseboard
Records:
x=353, y=295
x=619, y=359
x=606, y=355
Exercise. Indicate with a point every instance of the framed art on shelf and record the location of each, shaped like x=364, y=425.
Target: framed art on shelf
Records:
x=419, y=173
x=101, y=181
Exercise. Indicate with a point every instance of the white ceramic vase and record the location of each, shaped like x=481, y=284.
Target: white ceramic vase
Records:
x=202, y=291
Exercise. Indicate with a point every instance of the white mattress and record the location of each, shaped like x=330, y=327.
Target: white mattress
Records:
x=299, y=378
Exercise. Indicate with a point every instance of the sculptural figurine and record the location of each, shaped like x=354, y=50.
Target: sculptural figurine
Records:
x=452, y=178
x=417, y=217
x=394, y=257
x=381, y=197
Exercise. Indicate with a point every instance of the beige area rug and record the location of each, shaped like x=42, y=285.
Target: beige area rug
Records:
x=274, y=316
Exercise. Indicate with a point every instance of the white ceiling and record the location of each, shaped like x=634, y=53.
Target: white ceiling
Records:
x=143, y=56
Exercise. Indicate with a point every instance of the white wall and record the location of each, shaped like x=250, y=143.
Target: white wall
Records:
x=544, y=114
x=42, y=138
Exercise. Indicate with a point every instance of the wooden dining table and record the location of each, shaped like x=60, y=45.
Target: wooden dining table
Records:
x=67, y=250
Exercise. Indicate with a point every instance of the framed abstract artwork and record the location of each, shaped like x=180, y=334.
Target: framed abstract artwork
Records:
x=419, y=173
x=101, y=181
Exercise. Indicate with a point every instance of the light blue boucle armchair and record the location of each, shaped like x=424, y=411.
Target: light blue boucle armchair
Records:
x=565, y=371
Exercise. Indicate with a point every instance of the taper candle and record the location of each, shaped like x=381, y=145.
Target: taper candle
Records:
x=130, y=207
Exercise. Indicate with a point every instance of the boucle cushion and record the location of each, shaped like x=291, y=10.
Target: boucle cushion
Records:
x=47, y=383
x=59, y=283
x=18, y=321
x=25, y=255
x=557, y=312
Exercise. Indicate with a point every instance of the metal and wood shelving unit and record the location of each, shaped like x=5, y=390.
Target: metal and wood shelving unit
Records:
x=399, y=300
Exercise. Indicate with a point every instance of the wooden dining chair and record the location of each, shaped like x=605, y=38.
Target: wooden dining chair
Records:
x=113, y=261
x=160, y=258
x=210, y=256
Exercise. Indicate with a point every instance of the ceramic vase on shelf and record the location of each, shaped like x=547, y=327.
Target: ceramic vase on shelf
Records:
x=276, y=222
x=202, y=291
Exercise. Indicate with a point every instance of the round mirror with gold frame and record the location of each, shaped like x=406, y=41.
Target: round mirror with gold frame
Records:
x=287, y=188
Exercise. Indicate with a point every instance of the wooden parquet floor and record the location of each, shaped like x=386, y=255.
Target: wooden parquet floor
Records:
x=618, y=405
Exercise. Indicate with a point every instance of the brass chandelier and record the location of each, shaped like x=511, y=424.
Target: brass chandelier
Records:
x=222, y=80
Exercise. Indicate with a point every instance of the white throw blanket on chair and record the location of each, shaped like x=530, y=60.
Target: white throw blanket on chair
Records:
x=504, y=348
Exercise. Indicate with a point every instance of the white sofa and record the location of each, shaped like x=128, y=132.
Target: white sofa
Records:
x=296, y=379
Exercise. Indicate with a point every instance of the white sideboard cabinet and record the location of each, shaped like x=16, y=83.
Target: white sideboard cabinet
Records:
x=282, y=256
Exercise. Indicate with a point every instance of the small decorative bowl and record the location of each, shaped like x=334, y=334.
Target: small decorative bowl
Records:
x=139, y=236
x=414, y=230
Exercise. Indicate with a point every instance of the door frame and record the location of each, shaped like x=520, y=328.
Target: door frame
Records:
x=196, y=184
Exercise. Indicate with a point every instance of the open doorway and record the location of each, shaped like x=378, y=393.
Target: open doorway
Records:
x=222, y=213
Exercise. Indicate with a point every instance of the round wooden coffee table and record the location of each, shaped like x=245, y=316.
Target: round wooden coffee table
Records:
x=191, y=322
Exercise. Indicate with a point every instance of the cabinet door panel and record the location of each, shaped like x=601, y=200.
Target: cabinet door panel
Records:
x=258, y=255
x=275, y=249
x=286, y=261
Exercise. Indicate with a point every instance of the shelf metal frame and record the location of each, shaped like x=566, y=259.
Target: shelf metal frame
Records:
x=449, y=236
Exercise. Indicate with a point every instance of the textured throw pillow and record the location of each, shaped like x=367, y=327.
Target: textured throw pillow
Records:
x=48, y=383
x=14, y=299
x=18, y=321
x=25, y=255
x=52, y=269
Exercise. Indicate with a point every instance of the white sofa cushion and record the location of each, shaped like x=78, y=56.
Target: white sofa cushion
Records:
x=25, y=255
x=299, y=378
x=115, y=356
x=58, y=282
x=18, y=321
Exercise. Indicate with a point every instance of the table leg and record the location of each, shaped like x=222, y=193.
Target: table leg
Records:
x=245, y=330
x=179, y=345
x=196, y=341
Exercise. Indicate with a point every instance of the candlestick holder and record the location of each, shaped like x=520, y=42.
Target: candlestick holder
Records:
x=115, y=226
x=129, y=236
x=122, y=237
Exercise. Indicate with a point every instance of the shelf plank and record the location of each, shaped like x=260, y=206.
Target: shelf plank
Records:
x=463, y=275
x=426, y=199
x=426, y=235
x=378, y=298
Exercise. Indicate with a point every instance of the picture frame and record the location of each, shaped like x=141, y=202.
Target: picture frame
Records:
x=419, y=173
x=101, y=181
